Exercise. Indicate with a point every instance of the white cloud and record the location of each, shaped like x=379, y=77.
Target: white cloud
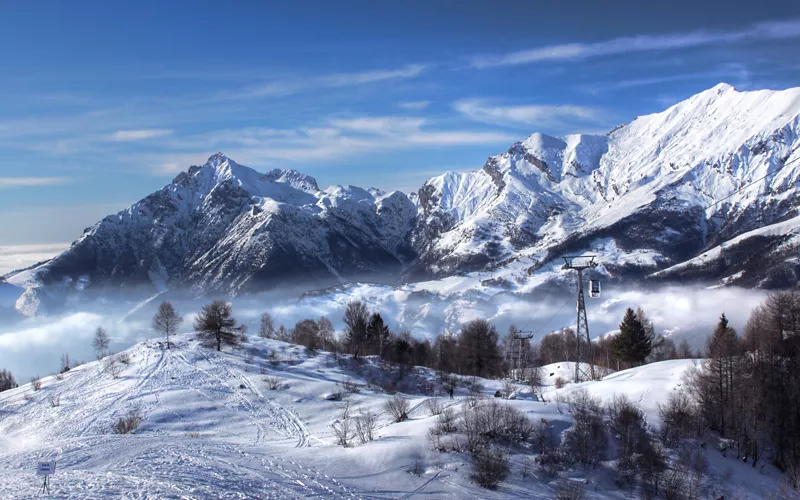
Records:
x=138, y=135
x=15, y=182
x=338, y=138
x=413, y=104
x=539, y=115
x=774, y=30
x=380, y=125
x=337, y=80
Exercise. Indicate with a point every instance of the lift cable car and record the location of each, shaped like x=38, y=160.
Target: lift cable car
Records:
x=594, y=288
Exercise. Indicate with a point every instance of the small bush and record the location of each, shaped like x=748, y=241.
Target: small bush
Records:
x=7, y=380
x=489, y=467
x=586, y=440
x=509, y=389
x=128, y=423
x=366, y=423
x=343, y=427
x=124, y=358
x=417, y=466
x=36, y=382
x=54, y=400
x=570, y=490
x=273, y=382
x=434, y=406
x=398, y=408
x=560, y=382
x=112, y=366
x=351, y=386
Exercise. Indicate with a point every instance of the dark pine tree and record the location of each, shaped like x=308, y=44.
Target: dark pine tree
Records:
x=633, y=343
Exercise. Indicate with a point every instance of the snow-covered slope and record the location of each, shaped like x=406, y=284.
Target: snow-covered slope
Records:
x=650, y=195
x=212, y=428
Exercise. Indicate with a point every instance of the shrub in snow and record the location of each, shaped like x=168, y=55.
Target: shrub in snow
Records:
x=343, y=426
x=680, y=418
x=417, y=466
x=509, y=390
x=128, y=423
x=54, y=400
x=570, y=490
x=586, y=440
x=434, y=406
x=65, y=363
x=366, y=423
x=559, y=382
x=273, y=382
x=112, y=366
x=398, y=408
x=489, y=466
x=36, y=382
x=7, y=380
x=350, y=386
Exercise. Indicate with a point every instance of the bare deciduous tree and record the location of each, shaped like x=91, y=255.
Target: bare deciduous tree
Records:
x=101, y=342
x=167, y=320
x=267, y=328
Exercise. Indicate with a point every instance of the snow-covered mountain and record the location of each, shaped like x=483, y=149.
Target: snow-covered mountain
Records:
x=670, y=183
x=706, y=190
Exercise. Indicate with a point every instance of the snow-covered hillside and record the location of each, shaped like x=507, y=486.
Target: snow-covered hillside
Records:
x=650, y=195
x=212, y=428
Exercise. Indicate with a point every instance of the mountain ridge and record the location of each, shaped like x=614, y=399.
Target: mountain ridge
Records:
x=675, y=183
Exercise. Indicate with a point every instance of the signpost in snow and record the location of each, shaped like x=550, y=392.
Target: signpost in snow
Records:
x=46, y=469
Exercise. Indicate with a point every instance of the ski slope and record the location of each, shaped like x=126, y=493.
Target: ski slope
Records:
x=212, y=429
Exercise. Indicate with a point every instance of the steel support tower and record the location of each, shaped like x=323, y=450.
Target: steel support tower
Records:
x=584, y=359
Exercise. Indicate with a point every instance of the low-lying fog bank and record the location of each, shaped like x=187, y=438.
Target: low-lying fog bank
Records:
x=33, y=346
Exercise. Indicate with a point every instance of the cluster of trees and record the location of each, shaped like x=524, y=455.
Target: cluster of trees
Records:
x=634, y=345
x=475, y=350
x=748, y=390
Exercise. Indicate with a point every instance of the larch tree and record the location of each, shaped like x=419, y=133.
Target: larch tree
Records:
x=356, y=321
x=479, y=349
x=101, y=342
x=216, y=324
x=167, y=320
x=267, y=328
x=326, y=334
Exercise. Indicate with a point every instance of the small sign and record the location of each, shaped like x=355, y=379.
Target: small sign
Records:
x=46, y=468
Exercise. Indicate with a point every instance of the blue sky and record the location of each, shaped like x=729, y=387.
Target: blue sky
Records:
x=102, y=103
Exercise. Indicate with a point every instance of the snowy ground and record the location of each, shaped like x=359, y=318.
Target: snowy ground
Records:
x=213, y=429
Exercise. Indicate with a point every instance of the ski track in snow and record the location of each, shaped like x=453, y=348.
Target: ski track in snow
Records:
x=92, y=462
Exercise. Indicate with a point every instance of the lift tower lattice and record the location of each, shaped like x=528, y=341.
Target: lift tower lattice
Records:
x=584, y=359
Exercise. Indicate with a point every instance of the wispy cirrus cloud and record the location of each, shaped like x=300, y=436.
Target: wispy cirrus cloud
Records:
x=774, y=30
x=21, y=182
x=336, y=139
x=415, y=105
x=532, y=114
x=292, y=86
x=139, y=135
